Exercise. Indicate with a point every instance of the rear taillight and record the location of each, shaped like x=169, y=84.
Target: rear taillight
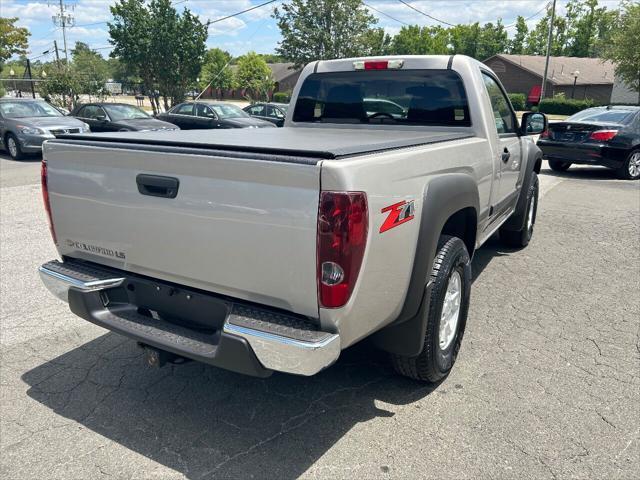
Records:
x=45, y=198
x=545, y=134
x=342, y=236
x=603, y=135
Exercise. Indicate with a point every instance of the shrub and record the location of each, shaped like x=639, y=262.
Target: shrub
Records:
x=564, y=106
x=518, y=100
x=282, y=97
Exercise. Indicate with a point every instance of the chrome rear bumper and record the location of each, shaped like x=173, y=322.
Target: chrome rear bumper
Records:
x=280, y=342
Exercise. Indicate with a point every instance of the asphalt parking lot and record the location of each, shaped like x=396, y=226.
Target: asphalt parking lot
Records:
x=547, y=384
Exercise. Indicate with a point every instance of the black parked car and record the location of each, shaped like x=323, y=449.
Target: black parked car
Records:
x=608, y=136
x=118, y=117
x=210, y=114
x=271, y=112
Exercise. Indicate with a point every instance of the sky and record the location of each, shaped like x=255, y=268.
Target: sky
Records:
x=255, y=30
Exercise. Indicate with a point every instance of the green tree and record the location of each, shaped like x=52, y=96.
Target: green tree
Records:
x=517, y=43
x=215, y=70
x=606, y=22
x=376, y=42
x=272, y=58
x=414, y=40
x=465, y=39
x=90, y=70
x=623, y=49
x=13, y=40
x=254, y=75
x=322, y=29
x=581, y=20
x=165, y=48
x=61, y=88
x=493, y=39
x=132, y=43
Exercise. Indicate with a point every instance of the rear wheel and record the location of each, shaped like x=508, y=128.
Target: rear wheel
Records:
x=13, y=147
x=520, y=238
x=446, y=316
x=559, y=166
x=630, y=169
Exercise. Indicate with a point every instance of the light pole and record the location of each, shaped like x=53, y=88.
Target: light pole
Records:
x=12, y=74
x=575, y=80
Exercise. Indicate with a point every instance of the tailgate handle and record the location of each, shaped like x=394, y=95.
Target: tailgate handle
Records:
x=157, y=185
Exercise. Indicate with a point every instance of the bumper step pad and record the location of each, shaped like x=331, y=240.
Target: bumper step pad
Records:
x=252, y=340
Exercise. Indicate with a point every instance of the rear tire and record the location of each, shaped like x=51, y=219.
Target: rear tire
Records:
x=558, y=166
x=446, y=317
x=13, y=147
x=630, y=169
x=520, y=238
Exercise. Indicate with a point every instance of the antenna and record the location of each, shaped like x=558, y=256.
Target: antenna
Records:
x=63, y=19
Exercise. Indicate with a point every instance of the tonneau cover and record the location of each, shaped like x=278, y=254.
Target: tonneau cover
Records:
x=301, y=142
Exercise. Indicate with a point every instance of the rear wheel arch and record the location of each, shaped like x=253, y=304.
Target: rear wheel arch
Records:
x=464, y=225
x=449, y=202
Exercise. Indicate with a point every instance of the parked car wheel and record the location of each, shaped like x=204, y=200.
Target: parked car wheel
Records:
x=520, y=238
x=559, y=166
x=446, y=317
x=630, y=169
x=13, y=147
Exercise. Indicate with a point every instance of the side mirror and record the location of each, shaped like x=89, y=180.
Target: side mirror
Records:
x=101, y=118
x=533, y=123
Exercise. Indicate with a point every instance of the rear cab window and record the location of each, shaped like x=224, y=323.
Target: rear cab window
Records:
x=388, y=97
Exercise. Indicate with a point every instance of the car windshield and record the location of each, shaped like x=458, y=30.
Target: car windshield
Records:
x=28, y=109
x=124, y=112
x=600, y=115
x=406, y=97
x=228, y=111
x=284, y=107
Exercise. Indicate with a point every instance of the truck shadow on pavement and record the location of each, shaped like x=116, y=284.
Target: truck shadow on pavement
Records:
x=205, y=422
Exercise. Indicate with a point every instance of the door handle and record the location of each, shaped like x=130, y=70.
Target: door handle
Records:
x=157, y=185
x=506, y=155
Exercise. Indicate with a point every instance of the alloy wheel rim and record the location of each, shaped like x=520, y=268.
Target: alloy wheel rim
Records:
x=13, y=148
x=450, y=310
x=634, y=164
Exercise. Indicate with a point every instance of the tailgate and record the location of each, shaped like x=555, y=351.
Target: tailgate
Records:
x=240, y=227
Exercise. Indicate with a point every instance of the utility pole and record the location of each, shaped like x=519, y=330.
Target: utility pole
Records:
x=33, y=91
x=55, y=45
x=546, y=62
x=64, y=19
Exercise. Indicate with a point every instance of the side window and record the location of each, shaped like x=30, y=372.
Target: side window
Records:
x=91, y=111
x=257, y=110
x=184, y=109
x=505, y=119
x=274, y=112
x=204, y=111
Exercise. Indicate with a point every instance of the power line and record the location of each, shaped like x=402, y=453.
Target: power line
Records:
x=531, y=16
x=426, y=14
x=385, y=14
x=240, y=13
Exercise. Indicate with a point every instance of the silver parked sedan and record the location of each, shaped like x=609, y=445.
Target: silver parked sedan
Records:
x=26, y=123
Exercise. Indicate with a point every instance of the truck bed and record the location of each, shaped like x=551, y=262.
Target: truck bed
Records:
x=292, y=145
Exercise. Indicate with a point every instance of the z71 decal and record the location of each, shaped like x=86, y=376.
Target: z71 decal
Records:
x=399, y=213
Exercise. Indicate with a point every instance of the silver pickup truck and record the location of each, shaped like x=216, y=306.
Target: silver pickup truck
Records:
x=274, y=249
